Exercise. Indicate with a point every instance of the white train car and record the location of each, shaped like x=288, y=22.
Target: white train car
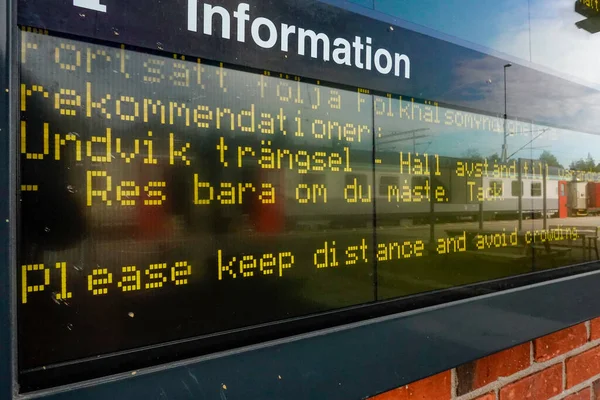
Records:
x=504, y=198
x=351, y=198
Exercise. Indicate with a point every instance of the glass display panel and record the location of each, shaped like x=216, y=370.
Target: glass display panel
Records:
x=463, y=211
x=166, y=197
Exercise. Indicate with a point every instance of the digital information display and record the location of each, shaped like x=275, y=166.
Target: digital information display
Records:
x=165, y=197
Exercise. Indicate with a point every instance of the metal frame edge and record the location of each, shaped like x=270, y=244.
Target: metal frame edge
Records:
x=363, y=359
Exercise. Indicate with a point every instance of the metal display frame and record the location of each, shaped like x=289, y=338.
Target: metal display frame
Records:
x=350, y=361
x=8, y=101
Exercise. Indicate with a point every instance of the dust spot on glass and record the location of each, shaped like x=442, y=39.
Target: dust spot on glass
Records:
x=55, y=298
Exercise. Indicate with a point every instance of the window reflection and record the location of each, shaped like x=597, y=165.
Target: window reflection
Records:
x=492, y=24
x=366, y=3
x=520, y=28
x=554, y=22
x=183, y=190
x=478, y=211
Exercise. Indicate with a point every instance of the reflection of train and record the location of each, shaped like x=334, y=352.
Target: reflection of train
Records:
x=353, y=197
x=583, y=198
x=346, y=198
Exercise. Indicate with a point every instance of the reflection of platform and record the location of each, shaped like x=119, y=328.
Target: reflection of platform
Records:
x=515, y=245
x=589, y=239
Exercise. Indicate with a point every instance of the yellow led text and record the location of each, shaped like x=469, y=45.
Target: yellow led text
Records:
x=248, y=266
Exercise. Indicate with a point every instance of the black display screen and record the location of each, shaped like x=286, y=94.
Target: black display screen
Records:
x=161, y=198
x=165, y=197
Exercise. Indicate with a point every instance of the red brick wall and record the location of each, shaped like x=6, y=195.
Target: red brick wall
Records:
x=563, y=365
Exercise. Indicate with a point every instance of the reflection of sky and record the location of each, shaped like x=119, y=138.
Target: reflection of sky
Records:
x=558, y=44
x=470, y=81
x=478, y=21
x=570, y=146
x=551, y=40
x=555, y=42
x=463, y=143
x=452, y=141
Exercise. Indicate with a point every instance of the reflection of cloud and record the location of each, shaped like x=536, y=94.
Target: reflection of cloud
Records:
x=516, y=34
x=572, y=147
x=556, y=42
x=483, y=76
x=542, y=97
x=558, y=48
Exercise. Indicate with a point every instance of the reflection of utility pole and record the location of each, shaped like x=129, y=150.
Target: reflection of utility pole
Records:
x=414, y=142
x=521, y=187
x=542, y=131
x=504, y=149
x=395, y=137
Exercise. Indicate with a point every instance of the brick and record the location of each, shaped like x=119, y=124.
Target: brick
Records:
x=489, y=396
x=583, y=367
x=436, y=387
x=584, y=394
x=596, y=390
x=539, y=386
x=560, y=342
x=477, y=374
x=595, y=329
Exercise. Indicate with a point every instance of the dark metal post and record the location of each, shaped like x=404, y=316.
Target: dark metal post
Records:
x=431, y=210
x=8, y=134
x=544, y=186
x=520, y=177
x=481, y=215
x=504, y=146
